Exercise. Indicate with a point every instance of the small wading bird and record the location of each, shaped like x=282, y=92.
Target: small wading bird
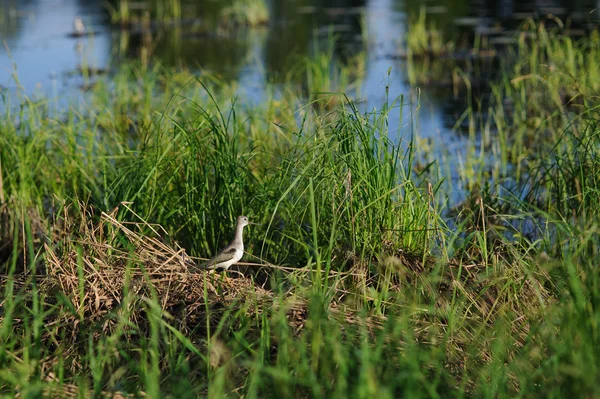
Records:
x=78, y=27
x=233, y=252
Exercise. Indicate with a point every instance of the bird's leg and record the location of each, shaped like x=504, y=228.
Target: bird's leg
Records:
x=238, y=272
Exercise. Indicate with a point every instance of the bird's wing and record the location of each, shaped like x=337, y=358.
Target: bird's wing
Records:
x=223, y=256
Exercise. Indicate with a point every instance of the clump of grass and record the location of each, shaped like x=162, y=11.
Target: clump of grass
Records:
x=550, y=80
x=231, y=15
x=128, y=12
x=103, y=290
x=326, y=82
x=249, y=13
x=424, y=40
x=435, y=60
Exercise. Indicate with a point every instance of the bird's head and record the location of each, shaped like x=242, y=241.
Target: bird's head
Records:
x=243, y=221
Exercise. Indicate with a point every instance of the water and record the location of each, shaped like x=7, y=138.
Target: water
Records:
x=47, y=59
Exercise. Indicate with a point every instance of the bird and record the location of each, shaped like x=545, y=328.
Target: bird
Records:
x=78, y=26
x=233, y=252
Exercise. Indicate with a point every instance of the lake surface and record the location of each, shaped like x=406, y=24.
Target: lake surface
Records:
x=39, y=56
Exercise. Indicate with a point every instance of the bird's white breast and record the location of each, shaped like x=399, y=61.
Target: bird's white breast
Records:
x=236, y=257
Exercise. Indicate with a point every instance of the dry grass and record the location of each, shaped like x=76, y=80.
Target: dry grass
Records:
x=100, y=265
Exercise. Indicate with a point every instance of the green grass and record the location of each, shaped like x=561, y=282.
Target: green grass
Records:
x=424, y=40
x=361, y=284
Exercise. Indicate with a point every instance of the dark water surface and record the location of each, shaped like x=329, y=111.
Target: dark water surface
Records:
x=38, y=48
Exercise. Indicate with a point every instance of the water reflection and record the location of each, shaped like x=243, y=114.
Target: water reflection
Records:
x=40, y=52
x=37, y=33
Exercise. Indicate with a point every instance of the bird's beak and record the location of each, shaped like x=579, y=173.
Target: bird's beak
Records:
x=256, y=224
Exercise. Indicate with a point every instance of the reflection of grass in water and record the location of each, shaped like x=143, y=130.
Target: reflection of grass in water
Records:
x=371, y=293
